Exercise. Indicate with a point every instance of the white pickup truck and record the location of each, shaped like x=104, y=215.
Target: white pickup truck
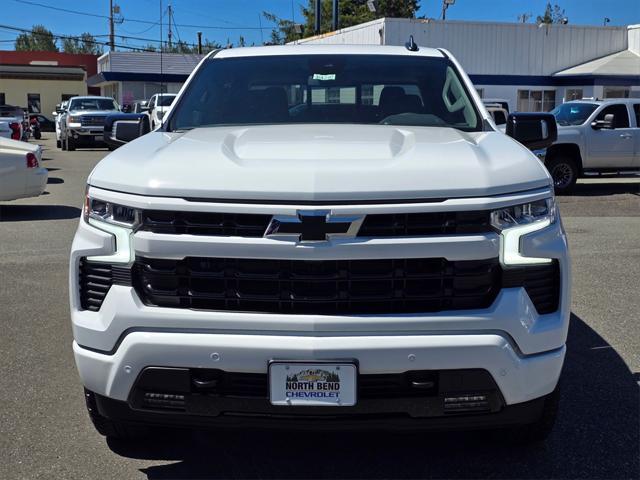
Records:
x=601, y=136
x=327, y=236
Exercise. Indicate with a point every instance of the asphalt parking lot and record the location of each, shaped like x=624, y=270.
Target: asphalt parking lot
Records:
x=45, y=432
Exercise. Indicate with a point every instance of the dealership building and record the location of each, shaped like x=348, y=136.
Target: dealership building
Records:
x=38, y=81
x=129, y=76
x=534, y=67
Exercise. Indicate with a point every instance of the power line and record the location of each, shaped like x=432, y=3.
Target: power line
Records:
x=136, y=20
x=123, y=37
x=72, y=37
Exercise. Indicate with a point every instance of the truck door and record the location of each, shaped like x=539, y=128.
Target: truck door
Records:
x=636, y=134
x=612, y=147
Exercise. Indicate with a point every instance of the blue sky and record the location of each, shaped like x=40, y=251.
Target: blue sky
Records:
x=242, y=17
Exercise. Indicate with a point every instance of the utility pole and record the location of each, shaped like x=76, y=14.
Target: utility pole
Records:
x=199, y=42
x=336, y=15
x=169, y=34
x=112, y=46
x=318, y=9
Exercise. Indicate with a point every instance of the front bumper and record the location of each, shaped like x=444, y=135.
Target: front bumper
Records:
x=86, y=134
x=521, y=349
x=519, y=378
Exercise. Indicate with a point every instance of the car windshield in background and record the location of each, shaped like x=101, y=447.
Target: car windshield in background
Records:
x=357, y=89
x=166, y=100
x=93, y=104
x=573, y=113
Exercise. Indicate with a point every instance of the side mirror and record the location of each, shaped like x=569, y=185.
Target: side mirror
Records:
x=121, y=128
x=534, y=130
x=55, y=114
x=607, y=123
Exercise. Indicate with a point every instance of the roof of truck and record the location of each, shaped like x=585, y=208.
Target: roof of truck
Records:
x=307, y=49
x=606, y=100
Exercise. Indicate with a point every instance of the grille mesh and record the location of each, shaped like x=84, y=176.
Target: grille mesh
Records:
x=424, y=224
x=374, y=225
x=318, y=287
x=202, y=223
x=96, y=279
x=92, y=121
x=542, y=283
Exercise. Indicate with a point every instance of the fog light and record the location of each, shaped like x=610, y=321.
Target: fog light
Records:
x=466, y=403
x=164, y=400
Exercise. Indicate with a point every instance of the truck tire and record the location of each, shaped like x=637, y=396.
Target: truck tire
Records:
x=58, y=144
x=71, y=144
x=541, y=428
x=564, y=171
x=111, y=428
x=63, y=143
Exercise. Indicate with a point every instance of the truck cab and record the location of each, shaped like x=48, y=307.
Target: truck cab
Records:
x=594, y=137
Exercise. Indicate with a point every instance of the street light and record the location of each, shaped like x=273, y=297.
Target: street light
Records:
x=605, y=21
x=446, y=4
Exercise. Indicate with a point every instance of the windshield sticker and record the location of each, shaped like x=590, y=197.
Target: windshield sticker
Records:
x=324, y=77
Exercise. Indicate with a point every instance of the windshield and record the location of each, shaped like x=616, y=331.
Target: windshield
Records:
x=573, y=113
x=93, y=104
x=361, y=89
x=166, y=100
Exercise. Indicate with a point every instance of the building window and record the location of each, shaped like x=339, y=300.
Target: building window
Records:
x=616, y=92
x=33, y=102
x=2, y=99
x=536, y=100
x=573, y=94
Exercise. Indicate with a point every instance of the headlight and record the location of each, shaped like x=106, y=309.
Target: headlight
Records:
x=75, y=119
x=108, y=212
x=518, y=220
x=118, y=220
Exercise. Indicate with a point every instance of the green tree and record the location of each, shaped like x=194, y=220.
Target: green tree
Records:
x=352, y=12
x=86, y=43
x=551, y=14
x=39, y=39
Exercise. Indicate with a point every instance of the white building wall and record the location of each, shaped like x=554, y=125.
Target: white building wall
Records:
x=485, y=48
x=633, y=35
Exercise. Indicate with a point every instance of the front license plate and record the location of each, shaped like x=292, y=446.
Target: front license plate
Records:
x=312, y=384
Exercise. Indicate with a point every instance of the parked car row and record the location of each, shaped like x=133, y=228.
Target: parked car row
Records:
x=80, y=121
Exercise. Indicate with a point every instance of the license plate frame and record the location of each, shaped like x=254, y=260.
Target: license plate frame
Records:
x=326, y=383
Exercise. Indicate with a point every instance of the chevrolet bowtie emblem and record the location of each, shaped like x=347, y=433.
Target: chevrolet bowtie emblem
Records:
x=313, y=226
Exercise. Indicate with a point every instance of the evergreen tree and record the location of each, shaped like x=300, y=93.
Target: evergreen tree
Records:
x=39, y=39
x=352, y=12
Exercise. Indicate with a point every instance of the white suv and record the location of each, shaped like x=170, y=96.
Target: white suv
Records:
x=323, y=235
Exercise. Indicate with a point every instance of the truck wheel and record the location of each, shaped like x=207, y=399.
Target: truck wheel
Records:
x=539, y=430
x=63, y=144
x=71, y=144
x=564, y=171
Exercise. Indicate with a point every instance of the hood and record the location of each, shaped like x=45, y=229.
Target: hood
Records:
x=321, y=163
x=92, y=112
